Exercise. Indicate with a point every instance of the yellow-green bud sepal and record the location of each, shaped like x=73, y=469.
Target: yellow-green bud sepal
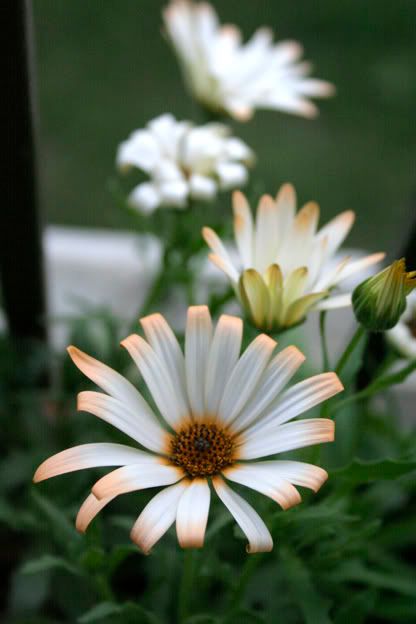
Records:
x=380, y=300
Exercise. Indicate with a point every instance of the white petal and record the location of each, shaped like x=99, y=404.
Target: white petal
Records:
x=91, y=456
x=298, y=473
x=266, y=234
x=158, y=380
x=236, y=149
x=158, y=515
x=223, y=356
x=114, y=384
x=287, y=437
x=359, y=265
x=337, y=230
x=197, y=345
x=275, y=377
x=162, y=339
x=202, y=187
x=174, y=193
x=333, y=303
x=192, y=514
x=135, y=424
x=298, y=399
x=88, y=510
x=258, y=535
x=215, y=243
x=145, y=197
x=140, y=150
x=231, y=174
x=265, y=481
x=245, y=377
x=243, y=229
x=136, y=477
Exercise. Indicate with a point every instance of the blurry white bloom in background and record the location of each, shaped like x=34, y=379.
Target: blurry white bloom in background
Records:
x=183, y=161
x=285, y=266
x=227, y=76
x=403, y=335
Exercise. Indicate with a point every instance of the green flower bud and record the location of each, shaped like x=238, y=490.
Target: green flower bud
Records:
x=380, y=300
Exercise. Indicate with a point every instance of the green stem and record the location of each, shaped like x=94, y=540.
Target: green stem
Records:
x=324, y=345
x=249, y=567
x=349, y=350
x=381, y=383
x=325, y=410
x=185, y=588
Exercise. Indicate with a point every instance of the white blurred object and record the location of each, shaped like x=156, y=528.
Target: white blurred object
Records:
x=87, y=269
x=226, y=75
x=183, y=161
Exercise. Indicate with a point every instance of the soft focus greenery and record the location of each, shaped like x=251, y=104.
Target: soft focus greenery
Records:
x=342, y=556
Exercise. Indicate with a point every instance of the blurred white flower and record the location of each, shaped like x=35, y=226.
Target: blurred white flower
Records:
x=183, y=161
x=225, y=75
x=403, y=335
x=220, y=413
x=286, y=265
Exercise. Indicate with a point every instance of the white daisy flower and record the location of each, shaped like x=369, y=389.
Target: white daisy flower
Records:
x=183, y=161
x=218, y=414
x=227, y=76
x=285, y=267
x=403, y=335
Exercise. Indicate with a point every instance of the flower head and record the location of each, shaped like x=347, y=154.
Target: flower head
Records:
x=380, y=300
x=227, y=76
x=403, y=335
x=285, y=267
x=219, y=412
x=183, y=161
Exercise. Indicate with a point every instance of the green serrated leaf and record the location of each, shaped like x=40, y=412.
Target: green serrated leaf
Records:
x=48, y=562
x=60, y=525
x=314, y=606
x=362, y=471
x=356, y=571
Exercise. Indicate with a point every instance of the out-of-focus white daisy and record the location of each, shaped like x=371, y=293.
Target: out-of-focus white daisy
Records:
x=285, y=267
x=183, y=161
x=227, y=76
x=219, y=412
x=403, y=335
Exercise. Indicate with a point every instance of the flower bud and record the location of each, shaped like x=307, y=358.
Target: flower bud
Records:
x=380, y=300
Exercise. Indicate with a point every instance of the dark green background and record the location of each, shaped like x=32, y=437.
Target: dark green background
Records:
x=104, y=69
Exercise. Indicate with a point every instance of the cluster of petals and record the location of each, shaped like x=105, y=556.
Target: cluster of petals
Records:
x=227, y=76
x=184, y=162
x=403, y=335
x=243, y=396
x=285, y=266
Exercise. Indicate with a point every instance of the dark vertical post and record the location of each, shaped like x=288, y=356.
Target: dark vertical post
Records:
x=21, y=274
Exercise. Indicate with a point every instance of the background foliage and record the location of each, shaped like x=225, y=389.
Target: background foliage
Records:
x=343, y=556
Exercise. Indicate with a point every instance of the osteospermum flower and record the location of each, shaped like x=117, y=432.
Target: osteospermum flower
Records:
x=219, y=413
x=285, y=267
x=226, y=76
x=184, y=162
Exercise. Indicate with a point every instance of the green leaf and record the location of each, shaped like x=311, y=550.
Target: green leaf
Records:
x=362, y=471
x=314, y=606
x=48, y=562
x=357, y=608
x=128, y=612
x=356, y=572
x=61, y=527
x=99, y=612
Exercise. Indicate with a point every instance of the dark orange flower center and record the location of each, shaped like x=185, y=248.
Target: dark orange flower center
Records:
x=412, y=326
x=202, y=450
